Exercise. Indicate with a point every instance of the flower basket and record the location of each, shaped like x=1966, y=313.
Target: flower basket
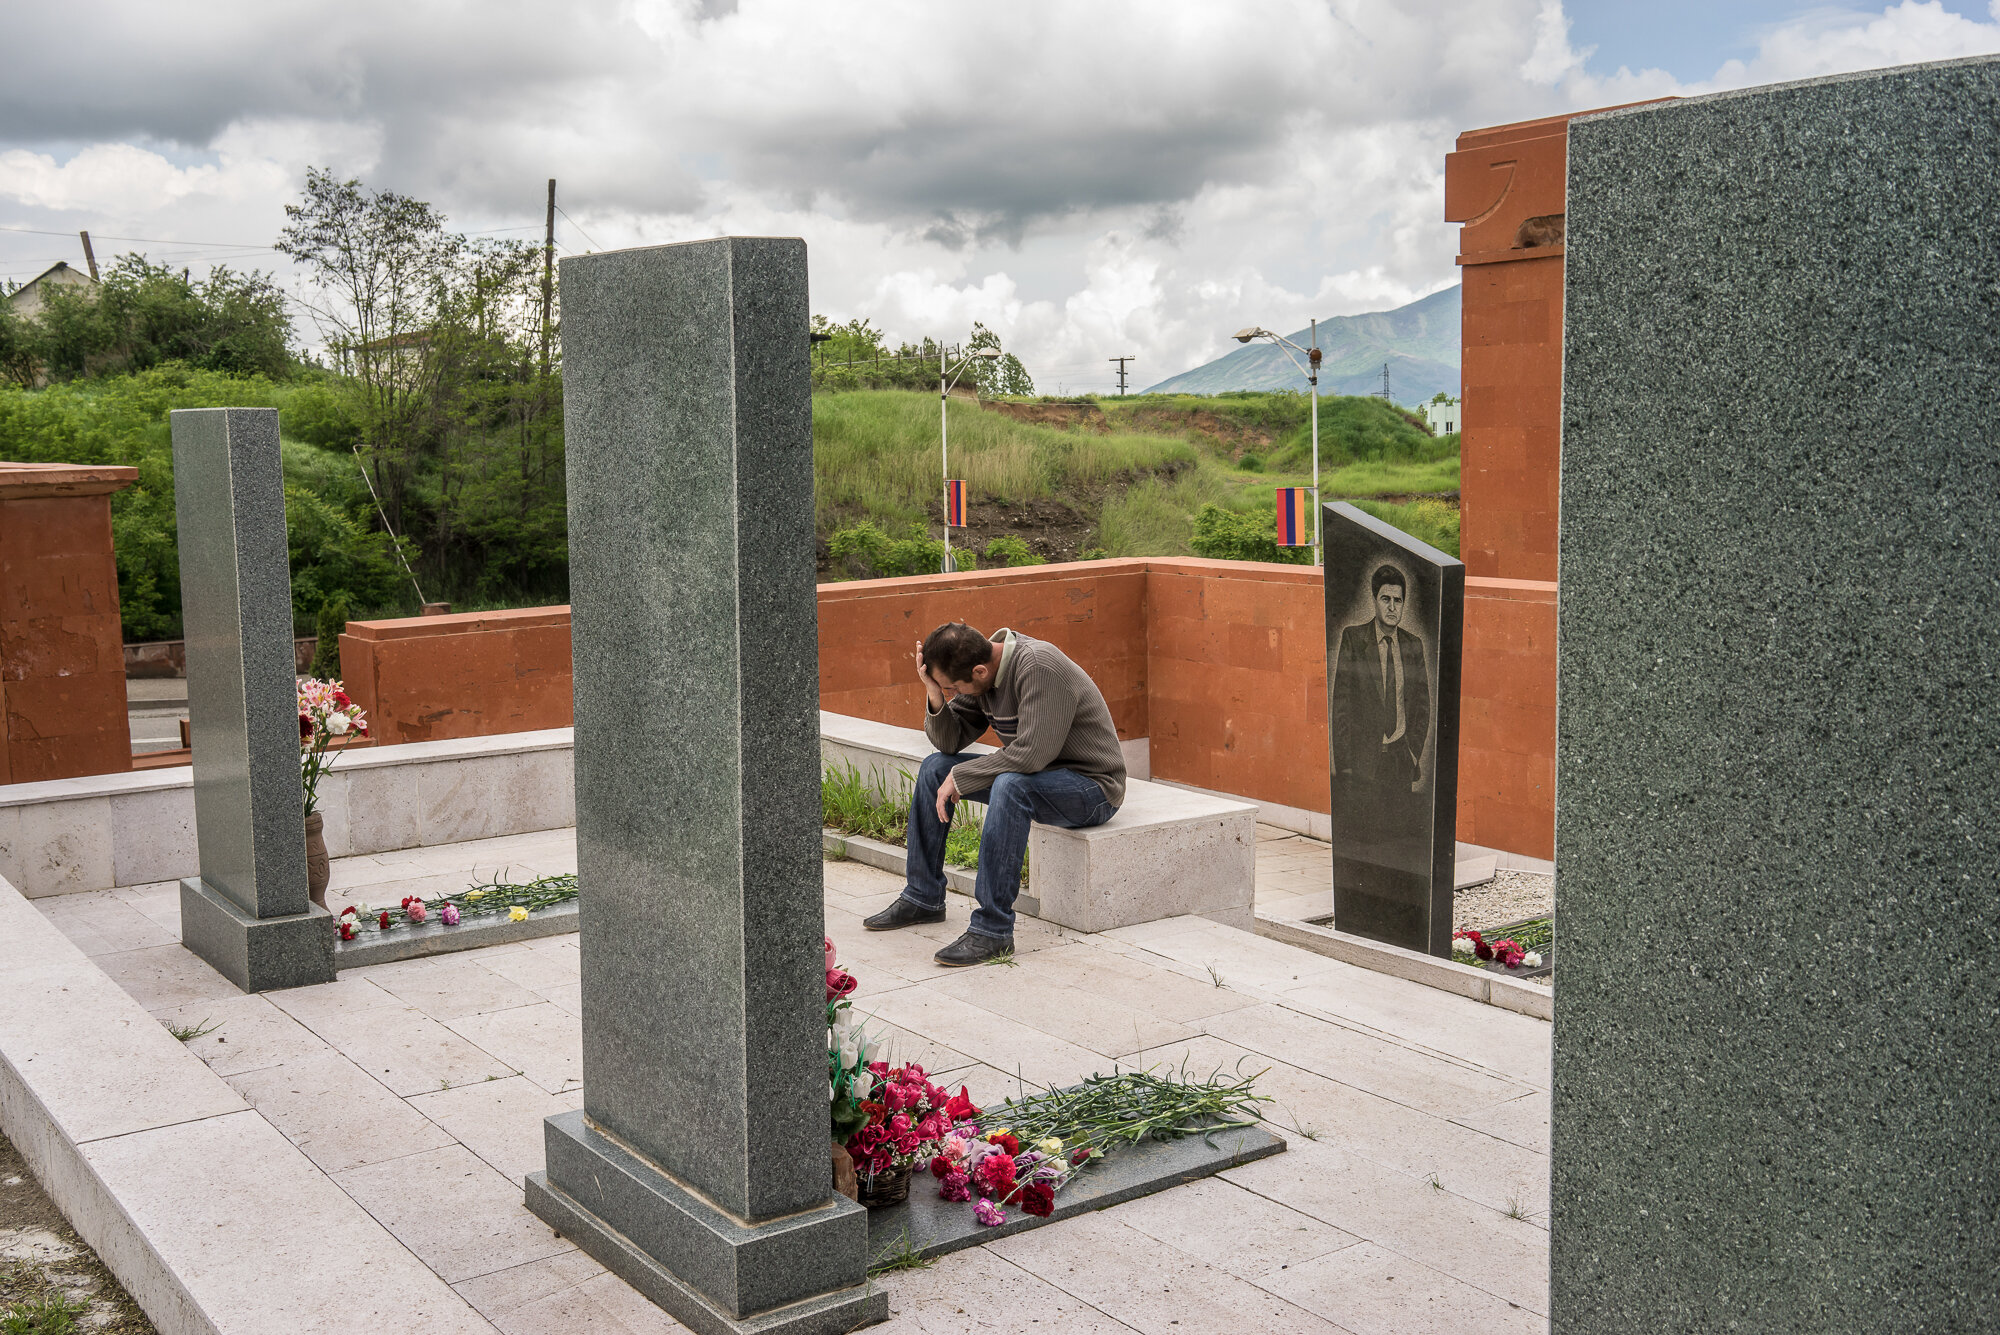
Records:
x=891, y=1187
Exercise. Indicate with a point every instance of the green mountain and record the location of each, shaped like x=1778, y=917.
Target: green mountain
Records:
x=1418, y=341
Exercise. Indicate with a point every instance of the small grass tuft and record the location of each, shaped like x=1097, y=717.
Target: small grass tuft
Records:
x=188, y=1033
x=1213, y=976
x=900, y=1255
x=49, y=1314
x=1516, y=1209
x=1006, y=960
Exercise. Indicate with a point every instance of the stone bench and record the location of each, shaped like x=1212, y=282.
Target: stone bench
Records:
x=1167, y=852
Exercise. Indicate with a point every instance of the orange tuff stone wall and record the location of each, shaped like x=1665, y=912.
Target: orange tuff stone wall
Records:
x=1508, y=185
x=1222, y=664
x=1507, y=717
x=62, y=658
x=423, y=679
x=1238, y=657
x=1511, y=321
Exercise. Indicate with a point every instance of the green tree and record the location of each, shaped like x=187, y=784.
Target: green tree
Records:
x=18, y=348
x=225, y=322
x=441, y=394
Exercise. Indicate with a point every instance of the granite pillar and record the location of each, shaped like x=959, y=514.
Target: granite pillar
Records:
x=247, y=913
x=697, y=1168
x=1776, y=1106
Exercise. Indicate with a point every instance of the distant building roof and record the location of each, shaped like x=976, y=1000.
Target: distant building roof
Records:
x=27, y=298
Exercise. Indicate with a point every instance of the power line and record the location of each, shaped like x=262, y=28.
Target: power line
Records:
x=1121, y=371
x=579, y=228
x=146, y=240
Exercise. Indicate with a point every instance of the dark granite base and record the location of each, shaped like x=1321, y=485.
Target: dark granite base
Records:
x=935, y=1226
x=256, y=954
x=712, y=1272
x=434, y=938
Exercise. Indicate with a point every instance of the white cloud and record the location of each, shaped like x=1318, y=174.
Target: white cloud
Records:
x=1088, y=180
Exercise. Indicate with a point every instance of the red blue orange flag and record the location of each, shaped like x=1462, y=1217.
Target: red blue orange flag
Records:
x=954, y=503
x=1295, y=516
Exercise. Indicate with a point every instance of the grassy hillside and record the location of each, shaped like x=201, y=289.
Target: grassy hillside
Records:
x=1123, y=476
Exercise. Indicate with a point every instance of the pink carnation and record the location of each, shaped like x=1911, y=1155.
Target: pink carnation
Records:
x=448, y=915
x=989, y=1214
x=414, y=911
x=956, y=1187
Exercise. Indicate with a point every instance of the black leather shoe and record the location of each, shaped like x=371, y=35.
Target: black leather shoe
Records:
x=972, y=948
x=902, y=913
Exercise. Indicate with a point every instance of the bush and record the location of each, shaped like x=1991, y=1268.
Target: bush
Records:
x=1011, y=551
x=1223, y=535
x=864, y=551
x=1251, y=463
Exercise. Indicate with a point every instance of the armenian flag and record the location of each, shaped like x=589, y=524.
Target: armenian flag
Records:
x=1295, y=516
x=954, y=502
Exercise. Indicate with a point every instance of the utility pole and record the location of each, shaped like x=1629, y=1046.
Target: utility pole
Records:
x=548, y=274
x=89, y=258
x=1385, y=381
x=1121, y=371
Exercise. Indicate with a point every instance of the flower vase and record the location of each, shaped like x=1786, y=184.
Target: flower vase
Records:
x=844, y=1180
x=319, y=869
x=884, y=1189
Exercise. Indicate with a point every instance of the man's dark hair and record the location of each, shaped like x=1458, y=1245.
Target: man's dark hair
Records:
x=954, y=649
x=1385, y=575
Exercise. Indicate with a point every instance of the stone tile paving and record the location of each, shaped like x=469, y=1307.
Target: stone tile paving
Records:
x=1413, y=1198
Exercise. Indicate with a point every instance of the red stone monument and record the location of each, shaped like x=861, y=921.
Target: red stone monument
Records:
x=62, y=662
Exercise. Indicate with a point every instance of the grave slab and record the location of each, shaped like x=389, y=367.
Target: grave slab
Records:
x=933, y=1226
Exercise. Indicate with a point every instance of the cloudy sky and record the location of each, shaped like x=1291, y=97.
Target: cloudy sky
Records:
x=1088, y=179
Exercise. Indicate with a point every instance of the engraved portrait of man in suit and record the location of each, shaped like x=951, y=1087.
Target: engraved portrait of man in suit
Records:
x=1382, y=697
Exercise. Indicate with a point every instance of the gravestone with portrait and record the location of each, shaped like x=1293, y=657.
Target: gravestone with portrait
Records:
x=1394, y=621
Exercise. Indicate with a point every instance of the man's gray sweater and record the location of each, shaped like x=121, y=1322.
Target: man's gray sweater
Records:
x=1048, y=713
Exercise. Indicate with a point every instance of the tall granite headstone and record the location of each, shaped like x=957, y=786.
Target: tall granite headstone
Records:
x=1395, y=617
x=697, y=1168
x=1776, y=1100
x=247, y=913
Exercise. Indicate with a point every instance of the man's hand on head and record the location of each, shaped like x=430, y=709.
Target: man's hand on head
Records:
x=947, y=794
x=933, y=692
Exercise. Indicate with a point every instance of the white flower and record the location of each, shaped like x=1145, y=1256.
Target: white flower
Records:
x=336, y=723
x=1533, y=959
x=1461, y=947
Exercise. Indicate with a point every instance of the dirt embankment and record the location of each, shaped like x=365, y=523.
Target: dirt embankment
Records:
x=1055, y=529
x=1062, y=416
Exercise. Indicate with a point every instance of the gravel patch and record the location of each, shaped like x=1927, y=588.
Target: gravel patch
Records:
x=1508, y=897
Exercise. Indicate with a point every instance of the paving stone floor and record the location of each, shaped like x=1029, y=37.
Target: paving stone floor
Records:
x=1413, y=1199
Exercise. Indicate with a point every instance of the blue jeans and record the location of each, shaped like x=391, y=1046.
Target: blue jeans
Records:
x=1059, y=797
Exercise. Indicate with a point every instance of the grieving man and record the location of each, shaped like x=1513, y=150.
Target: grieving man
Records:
x=1059, y=763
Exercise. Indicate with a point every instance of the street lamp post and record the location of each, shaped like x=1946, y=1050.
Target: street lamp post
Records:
x=1311, y=372
x=944, y=430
